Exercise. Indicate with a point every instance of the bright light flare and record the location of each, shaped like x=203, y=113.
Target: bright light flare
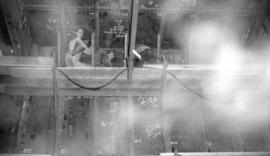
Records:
x=229, y=59
x=228, y=63
x=207, y=33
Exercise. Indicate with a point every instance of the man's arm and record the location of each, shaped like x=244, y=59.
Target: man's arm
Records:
x=89, y=51
x=82, y=43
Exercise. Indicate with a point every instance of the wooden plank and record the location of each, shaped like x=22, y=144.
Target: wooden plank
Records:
x=107, y=73
x=66, y=84
x=139, y=73
x=79, y=92
x=25, y=154
x=20, y=61
x=117, y=87
x=25, y=61
x=219, y=154
x=39, y=80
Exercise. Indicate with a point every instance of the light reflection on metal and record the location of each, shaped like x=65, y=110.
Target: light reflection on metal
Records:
x=153, y=131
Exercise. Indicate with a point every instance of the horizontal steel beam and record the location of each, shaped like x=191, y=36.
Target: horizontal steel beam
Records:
x=150, y=10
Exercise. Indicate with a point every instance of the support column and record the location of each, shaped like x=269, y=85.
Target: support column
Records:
x=132, y=36
x=26, y=37
x=130, y=127
x=58, y=55
x=97, y=23
x=96, y=101
x=161, y=31
x=22, y=120
x=132, y=41
x=164, y=120
x=126, y=51
x=93, y=44
x=189, y=54
x=95, y=36
x=60, y=112
x=199, y=117
x=62, y=34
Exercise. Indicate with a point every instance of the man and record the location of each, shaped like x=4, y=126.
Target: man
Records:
x=76, y=48
x=143, y=55
x=105, y=58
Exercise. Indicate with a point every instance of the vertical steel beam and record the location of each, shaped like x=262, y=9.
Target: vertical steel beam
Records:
x=26, y=38
x=164, y=120
x=22, y=120
x=95, y=36
x=161, y=32
x=60, y=111
x=130, y=127
x=96, y=103
x=132, y=36
x=198, y=112
x=94, y=48
x=126, y=51
x=195, y=20
x=62, y=35
x=8, y=32
x=97, y=10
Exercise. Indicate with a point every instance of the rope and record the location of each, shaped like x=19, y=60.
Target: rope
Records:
x=188, y=88
x=91, y=88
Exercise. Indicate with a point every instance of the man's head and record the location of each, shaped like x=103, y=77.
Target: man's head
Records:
x=79, y=33
x=106, y=58
x=110, y=54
